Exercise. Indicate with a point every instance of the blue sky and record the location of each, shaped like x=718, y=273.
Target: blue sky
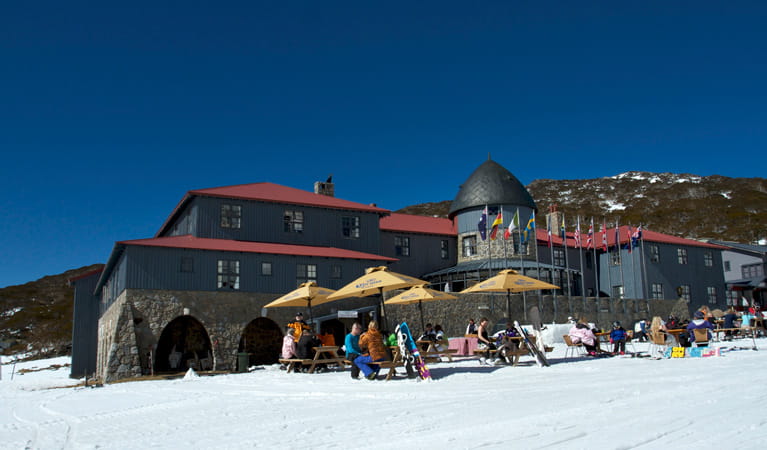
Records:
x=111, y=113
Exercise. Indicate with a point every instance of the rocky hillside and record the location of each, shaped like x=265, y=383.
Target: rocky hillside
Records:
x=36, y=317
x=714, y=207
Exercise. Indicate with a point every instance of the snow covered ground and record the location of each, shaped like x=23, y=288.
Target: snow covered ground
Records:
x=605, y=403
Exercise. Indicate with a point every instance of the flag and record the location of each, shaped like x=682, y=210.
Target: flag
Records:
x=562, y=231
x=496, y=223
x=578, y=233
x=512, y=226
x=482, y=225
x=590, y=240
x=548, y=231
x=636, y=236
x=617, y=237
x=530, y=227
x=630, y=236
x=604, y=235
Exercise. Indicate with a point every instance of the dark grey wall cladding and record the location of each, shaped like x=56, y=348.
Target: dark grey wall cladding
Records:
x=425, y=252
x=263, y=222
x=85, y=327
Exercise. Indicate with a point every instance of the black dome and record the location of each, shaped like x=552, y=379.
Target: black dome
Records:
x=491, y=184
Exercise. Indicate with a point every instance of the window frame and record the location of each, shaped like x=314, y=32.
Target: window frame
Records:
x=270, y=271
x=708, y=259
x=559, y=257
x=444, y=248
x=656, y=291
x=226, y=270
x=351, y=227
x=469, y=246
x=304, y=272
x=711, y=294
x=681, y=256
x=293, y=221
x=402, y=246
x=654, y=254
x=186, y=264
x=230, y=216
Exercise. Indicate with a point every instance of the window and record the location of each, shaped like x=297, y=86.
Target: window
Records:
x=469, y=244
x=559, y=257
x=615, y=258
x=401, y=246
x=684, y=292
x=350, y=227
x=335, y=271
x=727, y=267
x=681, y=255
x=751, y=270
x=657, y=291
x=444, y=249
x=231, y=216
x=266, y=269
x=732, y=298
x=618, y=291
x=654, y=253
x=187, y=264
x=708, y=259
x=711, y=291
x=228, y=274
x=293, y=221
x=306, y=272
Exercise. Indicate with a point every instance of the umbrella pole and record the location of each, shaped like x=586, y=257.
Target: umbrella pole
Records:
x=384, y=317
x=508, y=304
x=311, y=316
x=420, y=308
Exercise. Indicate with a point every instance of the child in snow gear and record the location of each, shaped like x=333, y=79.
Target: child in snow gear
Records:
x=618, y=338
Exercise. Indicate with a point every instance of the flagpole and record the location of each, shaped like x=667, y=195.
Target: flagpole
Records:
x=579, y=243
x=567, y=263
x=609, y=260
x=537, y=261
x=633, y=266
x=646, y=292
x=505, y=256
x=620, y=255
x=518, y=249
x=594, y=256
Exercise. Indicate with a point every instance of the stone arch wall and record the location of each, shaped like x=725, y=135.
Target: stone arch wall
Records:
x=262, y=339
x=184, y=343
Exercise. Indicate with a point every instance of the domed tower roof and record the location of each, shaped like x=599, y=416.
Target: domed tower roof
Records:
x=490, y=184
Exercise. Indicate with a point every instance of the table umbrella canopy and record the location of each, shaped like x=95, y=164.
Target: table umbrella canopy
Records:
x=375, y=281
x=419, y=294
x=306, y=295
x=509, y=281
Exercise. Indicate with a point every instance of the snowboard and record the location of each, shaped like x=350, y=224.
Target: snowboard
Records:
x=410, y=352
x=540, y=358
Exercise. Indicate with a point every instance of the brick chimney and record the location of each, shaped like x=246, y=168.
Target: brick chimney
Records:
x=554, y=218
x=325, y=188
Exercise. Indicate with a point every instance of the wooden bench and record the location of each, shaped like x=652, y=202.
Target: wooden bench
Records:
x=432, y=354
x=327, y=354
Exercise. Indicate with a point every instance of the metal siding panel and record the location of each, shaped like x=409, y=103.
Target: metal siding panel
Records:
x=85, y=327
x=425, y=253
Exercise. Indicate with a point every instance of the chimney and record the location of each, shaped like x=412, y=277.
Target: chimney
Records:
x=325, y=188
x=554, y=218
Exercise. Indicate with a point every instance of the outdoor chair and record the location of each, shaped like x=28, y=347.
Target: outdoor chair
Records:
x=657, y=343
x=573, y=349
x=701, y=337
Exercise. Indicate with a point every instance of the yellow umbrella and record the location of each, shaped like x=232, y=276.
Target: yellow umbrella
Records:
x=419, y=293
x=375, y=281
x=304, y=295
x=509, y=281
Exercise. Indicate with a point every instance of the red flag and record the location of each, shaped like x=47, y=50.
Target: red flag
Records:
x=496, y=223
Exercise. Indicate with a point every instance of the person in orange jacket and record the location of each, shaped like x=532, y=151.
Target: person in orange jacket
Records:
x=299, y=325
x=372, y=342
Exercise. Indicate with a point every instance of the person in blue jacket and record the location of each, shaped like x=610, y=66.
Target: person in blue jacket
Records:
x=618, y=337
x=352, y=348
x=699, y=322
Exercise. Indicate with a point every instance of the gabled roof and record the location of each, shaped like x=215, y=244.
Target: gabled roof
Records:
x=749, y=248
x=408, y=223
x=272, y=193
x=623, y=238
x=226, y=245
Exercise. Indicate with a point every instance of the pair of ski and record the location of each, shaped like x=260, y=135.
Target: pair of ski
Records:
x=409, y=351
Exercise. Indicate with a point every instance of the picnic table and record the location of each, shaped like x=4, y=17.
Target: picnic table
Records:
x=433, y=349
x=520, y=351
x=326, y=354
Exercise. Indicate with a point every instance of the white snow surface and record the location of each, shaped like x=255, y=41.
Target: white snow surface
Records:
x=577, y=403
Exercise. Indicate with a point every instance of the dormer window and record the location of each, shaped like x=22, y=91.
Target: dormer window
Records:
x=231, y=216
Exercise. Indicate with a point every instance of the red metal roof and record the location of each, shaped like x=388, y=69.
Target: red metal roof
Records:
x=85, y=275
x=275, y=193
x=191, y=242
x=647, y=235
x=409, y=223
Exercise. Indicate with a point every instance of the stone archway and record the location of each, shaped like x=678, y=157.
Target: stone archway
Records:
x=184, y=343
x=262, y=339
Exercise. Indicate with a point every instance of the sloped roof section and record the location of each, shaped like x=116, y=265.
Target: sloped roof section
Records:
x=226, y=245
x=491, y=184
x=409, y=223
x=623, y=238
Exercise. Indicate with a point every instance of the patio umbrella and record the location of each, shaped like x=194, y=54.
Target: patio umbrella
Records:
x=420, y=294
x=305, y=295
x=509, y=281
x=375, y=281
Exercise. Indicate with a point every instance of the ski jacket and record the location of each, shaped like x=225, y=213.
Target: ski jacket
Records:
x=579, y=335
x=288, y=347
x=372, y=341
x=729, y=320
x=618, y=334
x=299, y=326
x=352, y=344
x=699, y=324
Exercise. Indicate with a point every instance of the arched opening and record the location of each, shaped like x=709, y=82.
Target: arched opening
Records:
x=183, y=344
x=262, y=339
x=335, y=328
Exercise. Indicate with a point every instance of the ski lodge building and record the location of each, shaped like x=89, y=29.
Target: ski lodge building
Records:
x=193, y=294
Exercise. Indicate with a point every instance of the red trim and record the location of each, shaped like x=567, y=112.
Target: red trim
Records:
x=408, y=223
x=85, y=275
x=647, y=235
x=191, y=242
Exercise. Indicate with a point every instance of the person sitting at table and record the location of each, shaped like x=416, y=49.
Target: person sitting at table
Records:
x=299, y=325
x=729, y=323
x=707, y=314
x=352, y=348
x=288, y=347
x=698, y=323
x=439, y=338
x=581, y=333
x=305, y=347
x=483, y=342
x=471, y=328
x=658, y=327
x=640, y=330
x=371, y=342
x=505, y=344
x=618, y=337
x=672, y=322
